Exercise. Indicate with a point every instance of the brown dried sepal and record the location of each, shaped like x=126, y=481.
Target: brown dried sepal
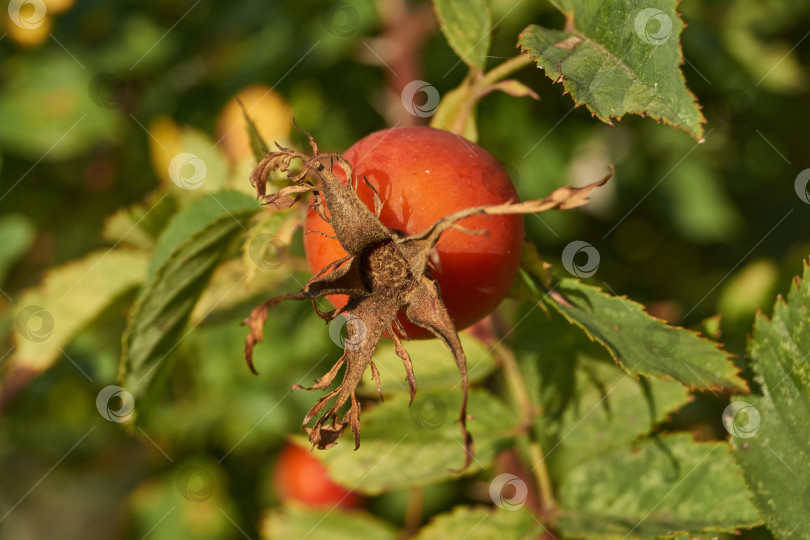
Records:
x=383, y=274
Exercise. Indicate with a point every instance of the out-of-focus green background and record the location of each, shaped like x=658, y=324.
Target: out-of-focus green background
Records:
x=90, y=96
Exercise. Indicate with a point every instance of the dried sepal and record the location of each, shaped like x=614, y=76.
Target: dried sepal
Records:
x=385, y=273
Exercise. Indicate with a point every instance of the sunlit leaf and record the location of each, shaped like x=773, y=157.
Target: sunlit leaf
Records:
x=69, y=298
x=770, y=431
x=466, y=25
x=619, y=57
x=186, y=255
x=656, y=488
x=642, y=344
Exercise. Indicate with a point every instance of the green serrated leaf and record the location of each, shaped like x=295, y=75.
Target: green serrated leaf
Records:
x=482, y=523
x=609, y=408
x=196, y=216
x=589, y=404
x=16, y=236
x=466, y=25
x=771, y=432
x=433, y=365
x=403, y=447
x=69, y=298
x=655, y=488
x=642, y=344
x=619, y=57
x=329, y=524
x=159, y=316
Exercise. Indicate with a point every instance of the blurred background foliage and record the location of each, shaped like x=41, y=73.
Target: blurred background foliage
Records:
x=96, y=101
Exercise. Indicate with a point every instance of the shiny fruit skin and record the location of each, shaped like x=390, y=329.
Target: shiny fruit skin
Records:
x=298, y=476
x=423, y=174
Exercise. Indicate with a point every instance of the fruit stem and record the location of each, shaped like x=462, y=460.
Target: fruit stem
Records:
x=517, y=387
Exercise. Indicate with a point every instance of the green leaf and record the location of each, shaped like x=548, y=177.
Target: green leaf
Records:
x=433, y=365
x=642, y=344
x=482, y=523
x=619, y=57
x=656, y=488
x=157, y=320
x=196, y=216
x=330, y=524
x=402, y=447
x=69, y=298
x=608, y=409
x=589, y=404
x=16, y=236
x=771, y=431
x=466, y=25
